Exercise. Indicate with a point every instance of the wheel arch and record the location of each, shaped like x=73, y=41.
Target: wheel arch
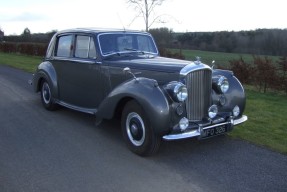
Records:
x=150, y=97
x=120, y=106
x=46, y=72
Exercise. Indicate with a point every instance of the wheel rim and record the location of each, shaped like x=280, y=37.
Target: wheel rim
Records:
x=46, y=93
x=135, y=129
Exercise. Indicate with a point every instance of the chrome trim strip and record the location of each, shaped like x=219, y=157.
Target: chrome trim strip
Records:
x=196, y=132
x=193, y=67
x=79, y=60
x=193, y=133
x=216, y=125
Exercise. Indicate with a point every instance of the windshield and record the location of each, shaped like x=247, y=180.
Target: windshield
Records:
x=111, y=43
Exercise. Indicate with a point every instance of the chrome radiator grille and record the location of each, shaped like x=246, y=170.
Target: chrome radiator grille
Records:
x=199, y=94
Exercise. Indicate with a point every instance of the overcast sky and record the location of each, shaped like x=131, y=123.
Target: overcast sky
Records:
x=181, y=15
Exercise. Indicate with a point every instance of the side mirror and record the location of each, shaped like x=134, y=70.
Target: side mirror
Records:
x=127, y=70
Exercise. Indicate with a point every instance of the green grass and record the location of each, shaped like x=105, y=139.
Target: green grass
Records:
x=26, y=63
x=220, y=58
x=267, y=123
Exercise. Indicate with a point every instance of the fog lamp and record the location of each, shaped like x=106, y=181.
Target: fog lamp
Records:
x=183, y=123
x=212, y=111
x=236, y=111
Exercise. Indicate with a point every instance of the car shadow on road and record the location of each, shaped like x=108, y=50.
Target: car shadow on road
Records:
x=111, y=129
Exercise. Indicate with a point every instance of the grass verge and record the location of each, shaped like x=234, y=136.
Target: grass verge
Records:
x=24, y=62
x=267, y=122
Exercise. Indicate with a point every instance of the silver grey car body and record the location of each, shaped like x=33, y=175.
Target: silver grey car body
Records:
x=119, y=73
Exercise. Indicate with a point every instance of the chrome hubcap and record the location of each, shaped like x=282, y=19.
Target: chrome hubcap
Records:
x=46, y=93
x=135, y=129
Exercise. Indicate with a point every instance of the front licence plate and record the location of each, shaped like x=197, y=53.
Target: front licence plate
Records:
x=213, y=131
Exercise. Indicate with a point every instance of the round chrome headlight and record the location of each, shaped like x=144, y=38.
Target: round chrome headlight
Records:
x=236, y=111
x=212, y=111
x=223, y=84
x=180, y=92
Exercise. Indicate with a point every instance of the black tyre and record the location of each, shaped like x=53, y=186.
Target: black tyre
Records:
x=137, y=131
x=46, y=96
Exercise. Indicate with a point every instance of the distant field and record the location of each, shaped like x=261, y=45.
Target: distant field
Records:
x=220, y=58
x=29, y=63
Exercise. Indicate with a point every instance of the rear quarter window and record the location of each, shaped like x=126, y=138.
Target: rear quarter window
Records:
x=64, y=46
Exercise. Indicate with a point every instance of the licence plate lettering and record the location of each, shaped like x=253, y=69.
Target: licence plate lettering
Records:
x=213, y=131
x=220, y=130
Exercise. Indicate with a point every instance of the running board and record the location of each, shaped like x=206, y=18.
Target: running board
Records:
x=76, y=108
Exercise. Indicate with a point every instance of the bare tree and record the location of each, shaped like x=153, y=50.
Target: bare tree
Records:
x=145, y=9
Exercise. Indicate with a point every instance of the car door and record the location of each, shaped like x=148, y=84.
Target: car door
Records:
x=80, y=78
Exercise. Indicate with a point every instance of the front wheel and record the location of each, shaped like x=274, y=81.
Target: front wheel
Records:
x=46, y=96
x=137, y=131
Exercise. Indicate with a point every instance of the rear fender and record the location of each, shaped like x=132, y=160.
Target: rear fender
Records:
x=46, y=71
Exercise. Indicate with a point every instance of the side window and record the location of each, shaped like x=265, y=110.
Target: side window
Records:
x=85, y=47
x=64, y=46
x=92, y=53
x=51, y=48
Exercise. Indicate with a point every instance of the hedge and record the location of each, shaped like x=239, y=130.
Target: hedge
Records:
x=35, y=49
x=263, y=73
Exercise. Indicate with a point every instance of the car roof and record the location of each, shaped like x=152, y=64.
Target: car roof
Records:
x=99, y=30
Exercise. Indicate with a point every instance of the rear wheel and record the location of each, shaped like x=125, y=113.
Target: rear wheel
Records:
x=137, y=131
x=46, y=96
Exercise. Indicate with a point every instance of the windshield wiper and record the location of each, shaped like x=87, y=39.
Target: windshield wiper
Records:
x=134, y=50
x=112, y=53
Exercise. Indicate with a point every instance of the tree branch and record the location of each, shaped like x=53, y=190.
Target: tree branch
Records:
x=145, y=8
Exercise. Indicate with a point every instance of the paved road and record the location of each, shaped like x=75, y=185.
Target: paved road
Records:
x=63, y=151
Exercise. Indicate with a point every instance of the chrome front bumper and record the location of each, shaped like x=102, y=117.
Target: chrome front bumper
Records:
x=198, y=132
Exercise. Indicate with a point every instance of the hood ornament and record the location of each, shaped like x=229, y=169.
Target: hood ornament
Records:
x=213, y=64
x=197, y=62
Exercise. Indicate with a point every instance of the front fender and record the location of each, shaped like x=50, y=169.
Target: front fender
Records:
x=46, y=71
x=148, y=94
x=235, y=95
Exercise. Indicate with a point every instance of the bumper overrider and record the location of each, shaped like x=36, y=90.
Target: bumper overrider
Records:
x=203, y=131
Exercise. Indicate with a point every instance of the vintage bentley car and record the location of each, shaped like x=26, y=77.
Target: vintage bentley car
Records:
x=119, y=73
